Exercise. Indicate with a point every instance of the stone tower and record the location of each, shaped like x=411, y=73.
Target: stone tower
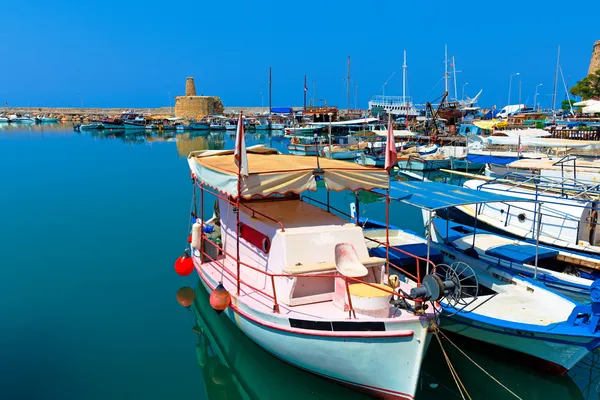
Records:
x=192, y=106
x=595, y=63
x=190, y=87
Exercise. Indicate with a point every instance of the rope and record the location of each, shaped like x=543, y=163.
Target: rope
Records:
x=436, y=330
x=461, y=387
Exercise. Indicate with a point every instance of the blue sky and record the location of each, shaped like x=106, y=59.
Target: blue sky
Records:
x=135, y=53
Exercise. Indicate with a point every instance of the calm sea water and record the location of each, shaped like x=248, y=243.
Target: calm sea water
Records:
x=90, y=227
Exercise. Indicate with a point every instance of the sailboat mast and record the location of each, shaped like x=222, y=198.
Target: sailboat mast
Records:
x=555, y=83
x=348, y=85
x=454, y=72
x=446, y=67
x=270, y=86
x=404, y=88
x=304, y=91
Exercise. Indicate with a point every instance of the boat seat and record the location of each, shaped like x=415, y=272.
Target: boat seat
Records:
x=347, y=262
x=329, y=266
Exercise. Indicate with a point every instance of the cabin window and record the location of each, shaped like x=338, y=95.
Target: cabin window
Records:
x=521, y=217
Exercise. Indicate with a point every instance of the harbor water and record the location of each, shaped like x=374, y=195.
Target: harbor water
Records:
x=91, y=226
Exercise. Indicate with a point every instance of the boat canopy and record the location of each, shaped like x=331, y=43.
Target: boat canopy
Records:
x=490, y=124
x=529, y=132
x=434, y=196
x=273, y=173
x=282, y=110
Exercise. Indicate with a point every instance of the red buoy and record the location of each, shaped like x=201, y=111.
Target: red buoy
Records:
x=219, y=298
x=184, y=265
x=186, y=296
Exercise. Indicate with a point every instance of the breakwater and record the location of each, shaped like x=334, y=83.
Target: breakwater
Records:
x=78, y=114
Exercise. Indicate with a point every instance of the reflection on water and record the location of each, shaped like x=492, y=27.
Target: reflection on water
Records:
x=234, y=367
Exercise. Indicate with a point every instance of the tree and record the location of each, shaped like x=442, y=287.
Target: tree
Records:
x=567, y=104
x=588, y=87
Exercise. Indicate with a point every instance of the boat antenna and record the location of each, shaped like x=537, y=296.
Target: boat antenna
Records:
x=348, y=85
x=270, y=85
x=446, y=75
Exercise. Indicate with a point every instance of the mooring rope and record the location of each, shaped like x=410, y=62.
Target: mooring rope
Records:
x=436, y=330
x=459, y=384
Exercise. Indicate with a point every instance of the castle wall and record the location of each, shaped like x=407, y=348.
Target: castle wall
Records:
x=196, y=107
x=595, y=62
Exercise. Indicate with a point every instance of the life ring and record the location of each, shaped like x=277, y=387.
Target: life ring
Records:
x=295, y=140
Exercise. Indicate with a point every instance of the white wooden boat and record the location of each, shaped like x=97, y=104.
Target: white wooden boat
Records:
x=308, y=308
x=370, y=160
x=500, y=307
x=303, y=130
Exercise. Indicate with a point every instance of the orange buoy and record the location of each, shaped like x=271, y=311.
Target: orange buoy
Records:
x=186, y=296
x=184, y=265
x=190, y=238
x=219, y=298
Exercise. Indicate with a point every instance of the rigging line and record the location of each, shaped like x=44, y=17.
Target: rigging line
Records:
x=430, y=90
x=478, y=366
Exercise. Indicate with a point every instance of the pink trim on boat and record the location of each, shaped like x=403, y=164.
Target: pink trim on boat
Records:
x=308, y=332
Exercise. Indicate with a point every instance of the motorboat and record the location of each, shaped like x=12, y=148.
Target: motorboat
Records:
x=314, y=309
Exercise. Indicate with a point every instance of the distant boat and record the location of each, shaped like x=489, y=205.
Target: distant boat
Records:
x=199, y=126
x=112, y=123
x=463, y=164
x=89, y=127
x=370, y=160
x=3, y=119
x=25, y=119
x=44, y=119
x=341, y=153
x=303, y=130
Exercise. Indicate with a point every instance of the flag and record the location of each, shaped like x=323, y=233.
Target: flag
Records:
x=305, y=88
x=241, y=159
x=391, y=156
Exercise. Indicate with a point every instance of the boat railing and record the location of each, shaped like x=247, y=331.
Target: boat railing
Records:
x=272, y=277
x=566, y=186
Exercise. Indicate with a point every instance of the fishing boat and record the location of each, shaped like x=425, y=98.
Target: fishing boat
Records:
x=338, y=152
x=326, y=310
x=3, y=119
x=417, y=162
x=133, y=121
x=112, y=123
x=463, y=164
x=278, y=126
x=230, y=126
x=500, y=307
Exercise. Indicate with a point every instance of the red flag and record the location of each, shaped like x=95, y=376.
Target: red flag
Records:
x=391, y=155
x=241, y=159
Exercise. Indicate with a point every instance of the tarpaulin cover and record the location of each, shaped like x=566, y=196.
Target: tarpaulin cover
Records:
x=485, y=159
x=271, y=173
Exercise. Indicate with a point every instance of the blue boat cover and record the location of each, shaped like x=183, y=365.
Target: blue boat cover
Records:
x=519, y=253
x=437, y=195
x=281, y=110
x=490, y=159
x=402, y=260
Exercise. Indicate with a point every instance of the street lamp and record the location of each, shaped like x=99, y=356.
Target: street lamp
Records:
x=535, y=97
x=463, y=91
x=510, y=85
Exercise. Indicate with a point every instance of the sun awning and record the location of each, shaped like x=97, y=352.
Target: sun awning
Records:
x=271, y=173
x=490, y=124
x=434, y=196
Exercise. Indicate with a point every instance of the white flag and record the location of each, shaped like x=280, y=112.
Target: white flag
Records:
x=241, y=159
